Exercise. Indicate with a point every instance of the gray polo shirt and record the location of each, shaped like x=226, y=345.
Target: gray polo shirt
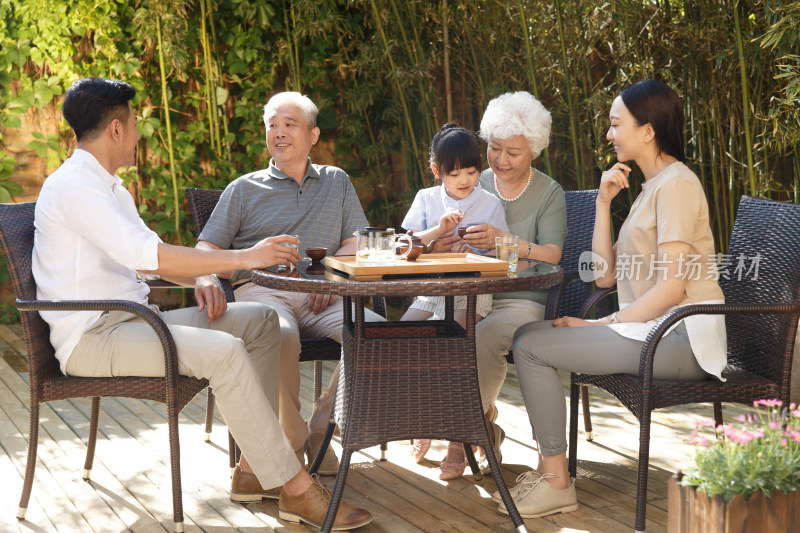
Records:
x=323, y=211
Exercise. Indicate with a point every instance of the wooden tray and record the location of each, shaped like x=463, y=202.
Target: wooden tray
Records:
x=431, y=264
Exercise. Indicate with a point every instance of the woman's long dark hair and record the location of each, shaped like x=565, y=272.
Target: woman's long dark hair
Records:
x=656, y=103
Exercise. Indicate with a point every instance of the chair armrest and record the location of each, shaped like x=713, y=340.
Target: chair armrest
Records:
x=594, y=299
x=227, y=288
x=224, y=284
x=556, y=292
x=671, y=318
x=162, y=284
x=143, y=312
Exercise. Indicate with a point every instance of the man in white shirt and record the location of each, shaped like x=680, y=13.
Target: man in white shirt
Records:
x=90, y=243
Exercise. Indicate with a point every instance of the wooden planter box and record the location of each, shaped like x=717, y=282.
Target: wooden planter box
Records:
x=692, y=511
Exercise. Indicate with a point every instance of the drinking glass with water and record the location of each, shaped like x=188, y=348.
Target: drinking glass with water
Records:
x=507, y=249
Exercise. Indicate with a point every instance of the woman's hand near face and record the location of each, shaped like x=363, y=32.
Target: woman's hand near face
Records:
x=612, y=181
x=482, y=236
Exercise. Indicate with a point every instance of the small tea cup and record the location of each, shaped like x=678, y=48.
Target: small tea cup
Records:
x=316, y=254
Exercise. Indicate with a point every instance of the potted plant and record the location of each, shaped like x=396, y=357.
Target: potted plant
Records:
x=745, y=479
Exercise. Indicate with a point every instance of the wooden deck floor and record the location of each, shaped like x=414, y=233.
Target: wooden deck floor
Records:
x=130, y=484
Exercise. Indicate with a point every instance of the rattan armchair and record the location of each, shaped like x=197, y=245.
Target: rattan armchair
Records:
x=762, y=313
x=47, y=383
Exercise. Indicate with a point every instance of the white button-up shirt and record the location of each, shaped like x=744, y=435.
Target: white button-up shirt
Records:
x=88, y=244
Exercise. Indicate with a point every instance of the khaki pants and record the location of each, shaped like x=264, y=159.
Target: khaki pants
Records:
x=296, y=321
x=239, y=355
x=493, y=337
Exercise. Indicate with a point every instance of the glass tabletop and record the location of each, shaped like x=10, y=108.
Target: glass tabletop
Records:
x=315, y=278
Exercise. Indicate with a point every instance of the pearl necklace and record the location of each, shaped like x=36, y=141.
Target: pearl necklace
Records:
x=509, y=200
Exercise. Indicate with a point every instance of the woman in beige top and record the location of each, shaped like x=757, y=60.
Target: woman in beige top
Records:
x=661, y=260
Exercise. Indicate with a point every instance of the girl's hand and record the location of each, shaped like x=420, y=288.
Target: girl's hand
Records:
x=612, y=181
x=450, y=220
x=482, y=236
x=444, y=244
x=572, y=322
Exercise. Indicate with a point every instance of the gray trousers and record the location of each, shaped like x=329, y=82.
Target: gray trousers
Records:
x=239, y=354
x=540, y=351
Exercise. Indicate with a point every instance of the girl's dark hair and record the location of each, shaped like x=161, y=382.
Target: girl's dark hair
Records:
x=453, y=148
x=656, y=103
x=91, y=103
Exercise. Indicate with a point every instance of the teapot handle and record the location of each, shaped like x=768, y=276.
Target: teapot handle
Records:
x=407, y=239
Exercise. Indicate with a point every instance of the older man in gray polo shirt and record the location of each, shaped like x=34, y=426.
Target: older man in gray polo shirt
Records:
x=296, y=197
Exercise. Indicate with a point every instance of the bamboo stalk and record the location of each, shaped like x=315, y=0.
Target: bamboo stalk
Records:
x=532, y=74
x=165, y=103
x=427, y=112
x=447, y=89
x=207, y=85
x=415, y=148
x=745, y=101
x=572, y=113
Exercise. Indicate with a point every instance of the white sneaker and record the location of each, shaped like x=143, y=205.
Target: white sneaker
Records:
x=539, y=498
x=523, y=479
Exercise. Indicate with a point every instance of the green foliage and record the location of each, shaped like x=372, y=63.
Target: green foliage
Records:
x=376, y=68
x=759, y=454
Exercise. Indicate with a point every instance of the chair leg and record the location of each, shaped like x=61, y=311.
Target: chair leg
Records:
x=93, y=422
x=326, y=441
x=175, y=463
x=644, y=463
x=384, y=447
x=317, y=379
x=232, y=459
x=33, y=442
x=209, y=414
x=718, y=414
x=574, y=392
x=473, y=464
x=587, y=415
x=338, y=488
x=511, y=507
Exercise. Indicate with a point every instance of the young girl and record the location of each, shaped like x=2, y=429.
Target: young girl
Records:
x=455, y=159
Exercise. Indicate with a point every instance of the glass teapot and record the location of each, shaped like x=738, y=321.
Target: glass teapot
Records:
x=376, y=246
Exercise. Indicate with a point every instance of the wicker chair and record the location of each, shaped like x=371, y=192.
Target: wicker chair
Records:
x=761, y=320
x=567, y=298
x=202, y=203
x=47, y=383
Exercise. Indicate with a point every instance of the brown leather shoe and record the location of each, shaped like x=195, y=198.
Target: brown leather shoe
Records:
x=245, y=488
x=312, y=505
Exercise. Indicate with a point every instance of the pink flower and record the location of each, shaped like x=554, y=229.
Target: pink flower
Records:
x=704, y=422
x=773, y=425
x=768, y=403
x=796, y=413
x=783, y=443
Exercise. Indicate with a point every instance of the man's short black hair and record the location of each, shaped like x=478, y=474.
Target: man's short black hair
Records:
x=91, y=103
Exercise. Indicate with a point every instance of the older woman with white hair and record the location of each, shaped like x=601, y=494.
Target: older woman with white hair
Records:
x=516, y=127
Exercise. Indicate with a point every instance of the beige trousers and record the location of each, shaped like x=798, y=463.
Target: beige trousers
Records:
x=297, y=321
x=238, y=354
x=493, y=337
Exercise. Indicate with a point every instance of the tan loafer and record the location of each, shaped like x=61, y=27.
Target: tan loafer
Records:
x=312, y=505
x=245, y=488
x=330, y=463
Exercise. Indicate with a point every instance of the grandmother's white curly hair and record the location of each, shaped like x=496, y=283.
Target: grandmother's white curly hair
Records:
x=517, y=113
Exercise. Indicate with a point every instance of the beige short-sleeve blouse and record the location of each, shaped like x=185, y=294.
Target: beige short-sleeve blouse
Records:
x=671, y=207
